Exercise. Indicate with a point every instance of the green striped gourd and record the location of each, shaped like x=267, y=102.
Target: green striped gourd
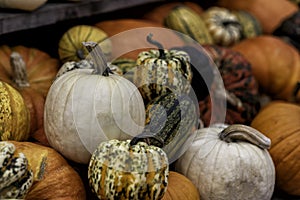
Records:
x=126, y=66
x=170, y=121
x=70, y=47
x=16, y=177
x=128, y=170
x=161, y=70
x=183, y=19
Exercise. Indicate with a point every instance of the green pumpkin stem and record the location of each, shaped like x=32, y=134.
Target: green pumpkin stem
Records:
x=162, y=54
x=19, y=70
x=98, y=58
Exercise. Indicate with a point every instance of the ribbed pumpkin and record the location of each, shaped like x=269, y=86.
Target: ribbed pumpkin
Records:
x=180, y=188
x=270, y=13
x=275, y=65
x=128, y=170
x=185, y=20
x=14, y=115
x=86, y=106
x=279, y=120
x=30, y=71
x=16, y=174
x=70, y=46
x=54, y=178
x=161, y=70
x=128, y=36
x=241, y=88
x=229, y=162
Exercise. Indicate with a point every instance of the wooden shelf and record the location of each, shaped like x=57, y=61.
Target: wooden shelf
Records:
x=54, y=11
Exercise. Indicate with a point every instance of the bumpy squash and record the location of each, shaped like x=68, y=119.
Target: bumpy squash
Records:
x=127, y=170
x=70, y=47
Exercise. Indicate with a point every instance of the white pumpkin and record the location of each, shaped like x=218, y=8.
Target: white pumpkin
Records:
x=84, y=108
x=229, y=162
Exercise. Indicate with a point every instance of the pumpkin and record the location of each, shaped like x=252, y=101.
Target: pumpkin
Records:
x=30, y=71
x=128, y=36
x=229, y=162
x=279, y=120
x=250, y=25
x=53, y=178
x=223, y=26
x=16, y=175
x=185, y=20
x=170, y=120
x=70, y=46
x=87, y=106
x=180, y=187
x=160, y=71
x=270, y=13
x=275, y=65
x=128, y=170
x=158, y=13
x=241, y=90
x=21, y=5
x=15, y=117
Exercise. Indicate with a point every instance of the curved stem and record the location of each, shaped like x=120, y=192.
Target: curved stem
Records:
x=162, y=54
x=98, y=58
x=239, y=132
x=19, y=70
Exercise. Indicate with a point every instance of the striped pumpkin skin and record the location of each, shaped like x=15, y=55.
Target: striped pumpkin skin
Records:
x=170, y=120
x=16, y=176
x=158, y=74
x=119, y=170
x=183, y=19
x=70, y=46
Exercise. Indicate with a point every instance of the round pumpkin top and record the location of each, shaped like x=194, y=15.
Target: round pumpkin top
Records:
x=40, y=67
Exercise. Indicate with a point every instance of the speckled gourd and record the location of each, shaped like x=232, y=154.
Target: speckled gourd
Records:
x=128, y=170
x=16, y=176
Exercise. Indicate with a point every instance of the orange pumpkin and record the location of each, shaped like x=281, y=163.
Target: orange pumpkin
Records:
x=279, y=120
x=180, y=188
x=275, y=65
x=54, y=178
x=270, y=13
x=31, y=72
x=130, y=44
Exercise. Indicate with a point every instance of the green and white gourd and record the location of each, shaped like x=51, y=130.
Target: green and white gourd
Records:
x=223, y=26
x=128, y=170
x=16, y=177
x=160, y=71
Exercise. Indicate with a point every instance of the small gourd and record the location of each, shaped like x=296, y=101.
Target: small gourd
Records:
x=128, y=170
x=224, y=27
x=14, y=115
x=86, y=106
x=16, y=176
x=229, y=162
x=160, y=71
x=70, y=46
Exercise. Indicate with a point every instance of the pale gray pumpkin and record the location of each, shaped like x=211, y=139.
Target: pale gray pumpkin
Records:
x=16, y=176
x=86, y=106
x=128, y=170
x=229, y=162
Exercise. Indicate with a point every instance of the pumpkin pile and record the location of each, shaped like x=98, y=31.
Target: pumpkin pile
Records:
x=186, y=102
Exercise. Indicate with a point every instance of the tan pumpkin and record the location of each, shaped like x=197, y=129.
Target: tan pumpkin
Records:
x=180, y=188
x=129, y=36
x=14, y=115
x=270, y=13
x=275, y=65
x=21, y=5
x=31, y=71
x=54, y=178
x=279, y=120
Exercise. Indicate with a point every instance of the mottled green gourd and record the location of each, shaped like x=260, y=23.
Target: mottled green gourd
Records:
x=170, y=121
x=160, y=71
x=128, y=170
x=16, y=177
